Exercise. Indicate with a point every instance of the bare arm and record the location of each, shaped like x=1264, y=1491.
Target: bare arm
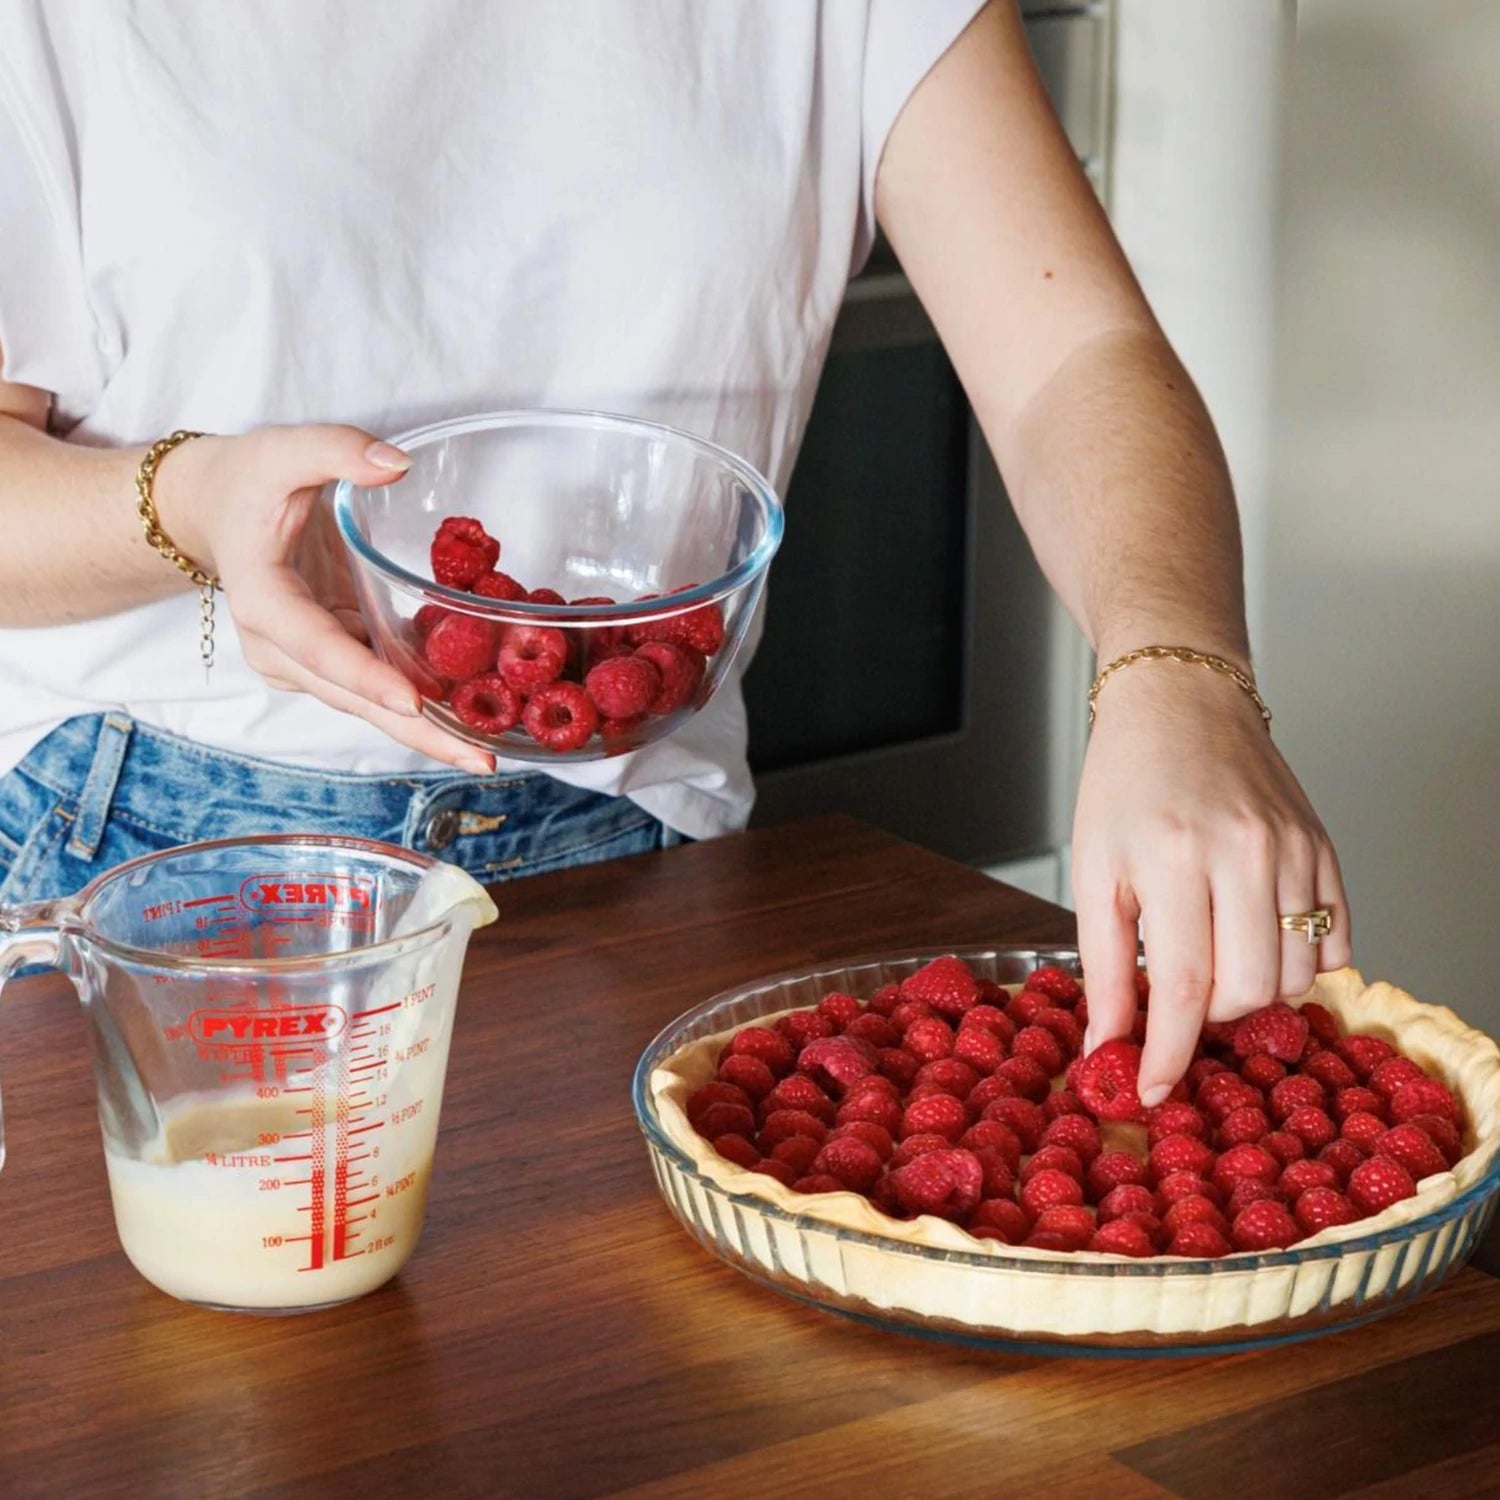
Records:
x=1188, y=819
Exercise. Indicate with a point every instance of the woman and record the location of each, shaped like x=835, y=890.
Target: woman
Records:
x=378, y=214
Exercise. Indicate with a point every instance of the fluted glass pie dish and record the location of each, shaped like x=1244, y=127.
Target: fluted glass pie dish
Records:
x=928, y=1277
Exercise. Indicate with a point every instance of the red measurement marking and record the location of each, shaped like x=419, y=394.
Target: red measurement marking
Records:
x=370, y=1198
x=306, y=1157
x=209, y=900
x=363, y=1128
x=366, y=1014
x=364, y=1067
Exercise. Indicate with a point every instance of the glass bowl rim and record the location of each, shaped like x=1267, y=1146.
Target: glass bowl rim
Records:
x=742, y=574
x=1069, y=1265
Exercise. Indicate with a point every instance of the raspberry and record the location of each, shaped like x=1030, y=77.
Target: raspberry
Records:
x=1128, y=1198
x=1194, y=1209
x=615, y=730
x=875, y=1030
x=1175, y=1119
x=883, y=1197
x=1122, y=1237
x=834, y=1062
x=885, y=999
x=1243, y=1125
x=1179, y=1185
x=928, y=1038
x=872, y=1109
x=987, y=1090
x=1330, y=1070
x=1078, y=1133
x=736, y=1148
x=623, y=686
x=1064, y=1027
x=713, y=1093
x=1264, y=1225
x=1278, y=1029
x=487, y=703
x=990, y=1018
x=1057, y=984
x=803, y=1026
x=1053, y=1159
x=1024, y=1117
x=1320, y=1208
x=494, y=585
x=1441, y=1133
x=841, y=1009
x=818, y=1182
x=701, y=629
x=545, y=596
x=981, y=1049
x=1248, y=1190
x=783, y=1124
x=460, y=646
x=1322, y=1023
x=1284, y=1146
x=1027, y=1077
x=1223, y=1093
x=1114, y=1169
x=1293, y=1093
x=1198, y=1242
x=1219, y=1034
x=991, y=1135
x=1064, y=1226
x=897, y=1064
x=560, y=716
x=1024, y=1008
x=748, y=1073
x=1364, y=1053
x=715, y=1120
x=531, y=656
x=918, y=1145
x=1245, y=1161
x=1424, y=1096
x=938, y=1114
x=1388, y=1076
x=999, y=1175
x=854, y=1162
x=950, y=1075
x=461, y=550
x=425, y=618
x=1048, y=1189
x=681, y=674
x=777, y=1169
x=1004, y=1217
x=1263, y=1071
x=798, y=1093
x=1063, y=1102
x=1349, y=1101
x=1298, y=1176
x=1343, y=1157
x=798, y=1152
x=1201, y=1071
x=1180, y=1153
x=946, y=984
x=908, y=1011
x=1364, y=1130
x=1311, y=1126
x=1044, y=1049
x=773, y=1049
x=1376, y=1184
x=946, y=1183
x=1105, y=1081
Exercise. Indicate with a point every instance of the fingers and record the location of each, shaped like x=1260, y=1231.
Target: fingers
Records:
x=1177, y=921
x=1336, y=951
x=317, y=452
x=1247, y=947
x=1107, y=951
x=1296, y=890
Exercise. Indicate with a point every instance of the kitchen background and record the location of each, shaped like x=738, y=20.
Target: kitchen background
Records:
x=1310, y=195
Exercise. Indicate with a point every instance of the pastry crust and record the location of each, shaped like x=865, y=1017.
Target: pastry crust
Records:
x=1019, y=1295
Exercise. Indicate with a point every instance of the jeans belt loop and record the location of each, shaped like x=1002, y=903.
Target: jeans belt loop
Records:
x=99, y=789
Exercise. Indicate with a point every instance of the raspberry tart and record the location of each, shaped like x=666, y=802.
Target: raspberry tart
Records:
x=918, y=1141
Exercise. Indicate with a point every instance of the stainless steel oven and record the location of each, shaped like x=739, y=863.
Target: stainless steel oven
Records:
x=915, y=670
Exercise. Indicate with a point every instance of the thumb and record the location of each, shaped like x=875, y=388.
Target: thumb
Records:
x=315, y=453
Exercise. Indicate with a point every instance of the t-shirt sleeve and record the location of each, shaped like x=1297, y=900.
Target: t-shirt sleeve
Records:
x=903, y=39
x=47, y=327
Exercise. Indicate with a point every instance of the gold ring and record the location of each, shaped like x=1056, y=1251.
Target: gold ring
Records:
x=1316, y=924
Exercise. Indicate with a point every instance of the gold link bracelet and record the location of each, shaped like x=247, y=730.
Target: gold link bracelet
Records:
x=1183, y=654
x=145, y=478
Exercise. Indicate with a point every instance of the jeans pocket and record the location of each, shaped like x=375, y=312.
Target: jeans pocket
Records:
x=34, y=873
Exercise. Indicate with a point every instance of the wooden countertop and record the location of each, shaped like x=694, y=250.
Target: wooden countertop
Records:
x=557, y=1334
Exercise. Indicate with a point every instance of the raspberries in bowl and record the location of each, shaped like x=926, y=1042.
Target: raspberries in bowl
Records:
x=561, y=585
x=917, y=1140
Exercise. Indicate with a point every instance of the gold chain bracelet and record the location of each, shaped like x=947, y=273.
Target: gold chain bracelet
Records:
x=145, y=478
x=1241, y=680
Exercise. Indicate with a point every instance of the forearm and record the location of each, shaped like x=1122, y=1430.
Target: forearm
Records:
x=73, y=547
x=1119, y=479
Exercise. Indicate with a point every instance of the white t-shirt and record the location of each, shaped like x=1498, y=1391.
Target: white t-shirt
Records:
x=387, y=212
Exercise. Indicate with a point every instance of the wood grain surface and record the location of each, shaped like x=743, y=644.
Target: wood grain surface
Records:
x=558, y=1335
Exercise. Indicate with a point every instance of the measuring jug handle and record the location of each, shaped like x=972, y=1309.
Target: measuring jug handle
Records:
x=30, y=933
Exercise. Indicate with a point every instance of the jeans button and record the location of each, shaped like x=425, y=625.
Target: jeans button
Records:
x=442, y=828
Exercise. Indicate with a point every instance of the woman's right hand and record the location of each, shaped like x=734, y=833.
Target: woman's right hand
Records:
x=246, y=508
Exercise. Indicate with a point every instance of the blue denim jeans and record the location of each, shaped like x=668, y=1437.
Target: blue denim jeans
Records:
x=102, y=789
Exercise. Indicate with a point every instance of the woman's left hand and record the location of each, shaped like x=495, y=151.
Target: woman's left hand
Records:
x=1189, y=821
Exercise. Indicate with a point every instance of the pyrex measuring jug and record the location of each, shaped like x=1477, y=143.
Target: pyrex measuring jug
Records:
x=269, y=1020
